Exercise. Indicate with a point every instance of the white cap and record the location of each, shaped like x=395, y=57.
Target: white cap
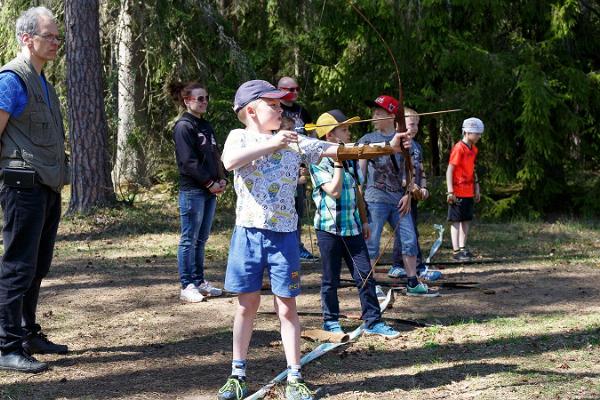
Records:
x=472, y=125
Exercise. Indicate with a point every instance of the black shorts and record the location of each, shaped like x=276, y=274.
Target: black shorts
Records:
x=461, y=210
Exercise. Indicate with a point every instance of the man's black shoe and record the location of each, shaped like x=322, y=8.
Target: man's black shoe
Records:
x=20, y=361
x=39, y=344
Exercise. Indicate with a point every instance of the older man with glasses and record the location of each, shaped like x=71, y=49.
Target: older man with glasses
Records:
x=33, y=170
x=298, y=114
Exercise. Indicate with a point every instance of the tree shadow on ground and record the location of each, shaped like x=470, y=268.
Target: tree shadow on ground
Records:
x=195, y=362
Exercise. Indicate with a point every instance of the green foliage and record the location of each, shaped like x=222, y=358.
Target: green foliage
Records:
x=528, y=69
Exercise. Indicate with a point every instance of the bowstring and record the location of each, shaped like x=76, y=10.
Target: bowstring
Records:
x=305, y=89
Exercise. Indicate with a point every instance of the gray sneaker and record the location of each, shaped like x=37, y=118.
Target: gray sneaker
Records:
x=296, y=389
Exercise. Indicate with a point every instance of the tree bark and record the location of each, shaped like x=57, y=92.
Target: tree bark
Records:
x=91, y=185
x=434, y=148
x=130, y=165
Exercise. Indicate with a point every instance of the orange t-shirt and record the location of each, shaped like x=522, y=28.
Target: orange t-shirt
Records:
x=463, y=177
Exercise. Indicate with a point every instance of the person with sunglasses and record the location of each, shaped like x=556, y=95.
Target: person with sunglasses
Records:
x=201, y=179
x=294, y=111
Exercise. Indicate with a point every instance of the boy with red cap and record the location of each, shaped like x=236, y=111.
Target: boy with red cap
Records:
x=463, y=186
x=266, y=164
x=386, y=197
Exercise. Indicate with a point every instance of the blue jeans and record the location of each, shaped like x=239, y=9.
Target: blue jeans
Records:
x=196, y=212
x=405, y=233
x=353, y=250
x=398, y=245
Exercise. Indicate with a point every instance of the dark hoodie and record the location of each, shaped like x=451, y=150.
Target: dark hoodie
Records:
x=198, y=157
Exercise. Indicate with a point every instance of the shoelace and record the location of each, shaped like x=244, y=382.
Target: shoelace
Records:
x=233, y=385
x=302, y=389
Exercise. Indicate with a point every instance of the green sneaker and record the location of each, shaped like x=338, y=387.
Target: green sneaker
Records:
x=421, y=290
x=234, y=389
x=296, y=389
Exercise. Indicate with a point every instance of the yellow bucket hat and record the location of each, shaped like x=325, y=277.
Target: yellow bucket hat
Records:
x=329, y=121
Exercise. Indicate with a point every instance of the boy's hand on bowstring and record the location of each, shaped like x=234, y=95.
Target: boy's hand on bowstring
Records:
x=400, y=141
x=284, y=138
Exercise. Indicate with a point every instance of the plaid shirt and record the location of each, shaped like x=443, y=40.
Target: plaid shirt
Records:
x=337, y=216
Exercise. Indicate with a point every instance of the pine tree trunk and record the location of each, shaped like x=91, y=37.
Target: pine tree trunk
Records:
x=434, y=148
x=130, y=162
x=91, y=184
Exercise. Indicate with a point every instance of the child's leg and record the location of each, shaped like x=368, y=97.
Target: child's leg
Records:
x=379, y=212
x=290, y=328
x=455, y=230
x=357, y=260
x=331, y=245
x=405, y=233
x=242, y=325
x=464, y=231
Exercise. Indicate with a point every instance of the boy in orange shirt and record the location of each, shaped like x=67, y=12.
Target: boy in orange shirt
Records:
x=463, y=187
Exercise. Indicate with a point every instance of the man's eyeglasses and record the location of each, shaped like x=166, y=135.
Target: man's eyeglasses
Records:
x=50, y=37
x=200, y=99
x=290, y=89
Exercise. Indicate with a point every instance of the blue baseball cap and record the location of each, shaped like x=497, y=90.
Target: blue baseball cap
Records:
x=253, y=90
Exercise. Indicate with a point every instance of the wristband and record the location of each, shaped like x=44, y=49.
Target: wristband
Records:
x=338, y=166
x=211, y=184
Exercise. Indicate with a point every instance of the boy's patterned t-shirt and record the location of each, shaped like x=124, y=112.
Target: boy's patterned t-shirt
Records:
x=265, y=187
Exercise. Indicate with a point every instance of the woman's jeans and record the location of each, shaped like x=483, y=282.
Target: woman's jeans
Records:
x=196, y=212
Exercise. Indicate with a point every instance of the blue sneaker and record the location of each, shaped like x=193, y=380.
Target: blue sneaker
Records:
x=384, y=330
x=233, y=389
x=306, y=255
x=421, y=290
x=332, y=326
x=428, y=274
x=397, y=272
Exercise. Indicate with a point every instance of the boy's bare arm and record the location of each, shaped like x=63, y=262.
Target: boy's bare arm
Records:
x=449, y=172
x=334, y=187
x=240, y=157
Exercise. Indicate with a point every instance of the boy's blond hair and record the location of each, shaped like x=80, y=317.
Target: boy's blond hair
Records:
x=243, y=115
x=409, y=112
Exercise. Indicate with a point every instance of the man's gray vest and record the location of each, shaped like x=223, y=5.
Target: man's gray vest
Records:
x=35, y=139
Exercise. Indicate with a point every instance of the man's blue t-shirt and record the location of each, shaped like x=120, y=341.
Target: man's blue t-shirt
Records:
x=13, y=93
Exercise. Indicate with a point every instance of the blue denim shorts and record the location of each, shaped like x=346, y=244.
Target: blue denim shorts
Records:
x=253, y=250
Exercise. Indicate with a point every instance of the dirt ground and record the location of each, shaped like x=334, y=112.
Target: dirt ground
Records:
x=529, y=328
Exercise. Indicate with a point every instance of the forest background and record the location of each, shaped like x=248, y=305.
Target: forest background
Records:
x=529, y=69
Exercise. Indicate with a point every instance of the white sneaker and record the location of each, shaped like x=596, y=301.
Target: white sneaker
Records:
x=191, y=294
x=207, y=289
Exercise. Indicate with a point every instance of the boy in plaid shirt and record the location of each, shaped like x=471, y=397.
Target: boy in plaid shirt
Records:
x=340, y=231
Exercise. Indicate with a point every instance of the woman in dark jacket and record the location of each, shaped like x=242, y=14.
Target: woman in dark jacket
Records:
x=201, y=179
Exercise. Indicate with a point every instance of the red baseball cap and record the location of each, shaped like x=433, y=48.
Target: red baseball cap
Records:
x=388, y=103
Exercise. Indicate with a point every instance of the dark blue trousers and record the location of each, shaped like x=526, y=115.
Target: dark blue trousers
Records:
x=31, y=219
x=353, y=250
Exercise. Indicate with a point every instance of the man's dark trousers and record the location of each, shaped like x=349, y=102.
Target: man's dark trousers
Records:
x=353, y=250
x=31, y=218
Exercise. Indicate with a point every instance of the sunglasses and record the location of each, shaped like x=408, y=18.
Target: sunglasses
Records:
x=200, y=99
x=290, y=89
